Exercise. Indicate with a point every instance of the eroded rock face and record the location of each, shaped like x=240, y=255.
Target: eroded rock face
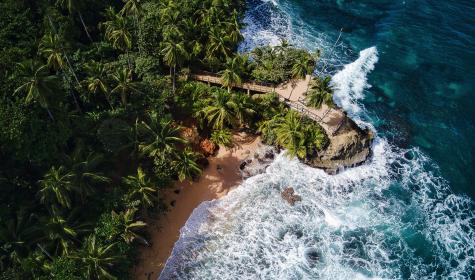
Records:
x=349, y=147
x=288, y=194
x=208, y=148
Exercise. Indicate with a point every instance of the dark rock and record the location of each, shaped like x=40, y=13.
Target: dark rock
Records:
x=173, y=203
x=289, y=196
x=350, y=147
x=269, y=155
x=203, y=162
x=176, y=191
x=242, y=165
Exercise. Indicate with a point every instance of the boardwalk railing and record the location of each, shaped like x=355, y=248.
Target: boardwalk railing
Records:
x=216, y=79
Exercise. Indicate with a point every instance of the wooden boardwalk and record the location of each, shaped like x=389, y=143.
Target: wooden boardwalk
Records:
x=293, y=94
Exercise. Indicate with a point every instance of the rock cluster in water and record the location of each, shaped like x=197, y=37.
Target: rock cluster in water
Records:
x=349, y=147
x=288, y=194
x=257, y=162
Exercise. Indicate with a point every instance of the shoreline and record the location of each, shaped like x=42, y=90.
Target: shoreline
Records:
x=185, y=196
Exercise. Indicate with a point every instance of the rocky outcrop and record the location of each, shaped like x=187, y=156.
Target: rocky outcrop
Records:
x=288, y=194
x=257, y=162
x=350, y=146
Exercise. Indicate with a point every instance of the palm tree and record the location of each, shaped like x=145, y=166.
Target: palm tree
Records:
x=117, y=32
x=141, y=189
x=75, y=6
x=56, y=187
x=51, y=47
x=174, y=54
x=244, y=107
x=234, y=29
x=321, y=92
x=130, y=226
x=218, y=44
x=133, y=8
x=98, y=259
x=303, y=66
x=222, y=137
x=124, y=84
x=186, y=165
x=158, y=138
x=221, y=111
x=96, y=80
x=290, y=135
x=63, y=233
x=38, y=84
x=231, y=75
x=18, y=234
x=83, y=168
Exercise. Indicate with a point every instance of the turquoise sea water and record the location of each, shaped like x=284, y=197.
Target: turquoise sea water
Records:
x=406, y=70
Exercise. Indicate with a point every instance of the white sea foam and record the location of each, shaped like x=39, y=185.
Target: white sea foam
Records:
x=351, y=81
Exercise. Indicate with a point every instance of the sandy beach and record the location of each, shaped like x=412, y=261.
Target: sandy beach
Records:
x=217, y=180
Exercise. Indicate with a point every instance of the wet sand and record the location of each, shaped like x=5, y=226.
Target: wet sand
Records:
x=217, y=180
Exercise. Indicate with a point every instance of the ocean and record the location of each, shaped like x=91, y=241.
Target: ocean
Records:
x=405, y=69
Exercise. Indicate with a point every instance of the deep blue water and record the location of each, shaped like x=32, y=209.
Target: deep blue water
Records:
x=423, y=87
x=406, y=70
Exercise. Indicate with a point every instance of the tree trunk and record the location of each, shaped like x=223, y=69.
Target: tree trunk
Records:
x=69, y=66
x=84, y=26
x=173, y=78
x=129, y=62
x=50, y=114
x=123, y=96
x=108, y=100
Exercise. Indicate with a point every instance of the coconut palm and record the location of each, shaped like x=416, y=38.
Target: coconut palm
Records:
x=63, y=232
x=38, y=84
x=51, y=47
x=117, y=31
x=231, y=75
x=218, y=45
x=96, y=80
x=73, y=6
x=158, y=137
x=290, y=135
x=56, y=187
x=174, y=54
x=234, y=28
x=244, y=107
x=98, y=259
x=18, y=235
x=83, y=167
x=221, y=111
x=141, y=189
x=133, y=8
x=124, y=85
x=321, y=92
x=302, y=67
x=130, y=226
x=186, y=165
x=222, y=137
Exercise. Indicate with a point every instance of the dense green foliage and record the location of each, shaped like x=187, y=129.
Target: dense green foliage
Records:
x=94, y=99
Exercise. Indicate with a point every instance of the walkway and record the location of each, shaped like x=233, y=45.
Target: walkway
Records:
x=293, y=94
